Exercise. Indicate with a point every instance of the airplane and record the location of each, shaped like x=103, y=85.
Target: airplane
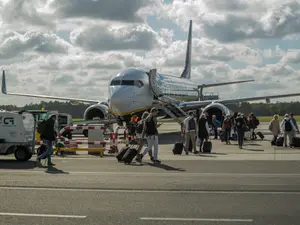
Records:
x=135, y=90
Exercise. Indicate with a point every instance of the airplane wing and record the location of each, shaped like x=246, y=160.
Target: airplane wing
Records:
x=4, y=91
x=197, y=104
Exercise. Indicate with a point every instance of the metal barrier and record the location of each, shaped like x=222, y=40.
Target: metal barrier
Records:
x=115, y=137
x=101, y=143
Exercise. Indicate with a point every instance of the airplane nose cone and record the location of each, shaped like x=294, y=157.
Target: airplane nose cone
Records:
x=120, y=102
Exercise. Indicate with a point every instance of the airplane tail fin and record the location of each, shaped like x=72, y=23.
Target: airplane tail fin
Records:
x=3, y=88
x=186, y=73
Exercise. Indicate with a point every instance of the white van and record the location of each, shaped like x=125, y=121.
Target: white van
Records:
x=17, y=134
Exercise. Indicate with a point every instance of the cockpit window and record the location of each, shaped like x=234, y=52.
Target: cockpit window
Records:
x=127, y=82
x=115, y=82
x=137, y=83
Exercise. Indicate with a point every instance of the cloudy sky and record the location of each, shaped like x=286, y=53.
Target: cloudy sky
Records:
x=73, y=47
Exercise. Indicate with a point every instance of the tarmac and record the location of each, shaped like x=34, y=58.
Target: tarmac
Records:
x=255, y=185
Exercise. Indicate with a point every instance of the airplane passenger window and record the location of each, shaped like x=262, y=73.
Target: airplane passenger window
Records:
x=115, y=82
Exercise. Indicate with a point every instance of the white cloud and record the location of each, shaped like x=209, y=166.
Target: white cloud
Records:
x=63, y=49
x=122, y=37
x=237, y=20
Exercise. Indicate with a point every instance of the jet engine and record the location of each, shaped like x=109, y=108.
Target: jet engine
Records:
x=217, y=109
x=98, y=111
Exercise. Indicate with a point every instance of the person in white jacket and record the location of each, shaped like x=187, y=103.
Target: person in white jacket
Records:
x=288, y=128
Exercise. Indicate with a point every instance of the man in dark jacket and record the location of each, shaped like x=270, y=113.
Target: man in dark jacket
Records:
x=48, y=136
x=240, y=125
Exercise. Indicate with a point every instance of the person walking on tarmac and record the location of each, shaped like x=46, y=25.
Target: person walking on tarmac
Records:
x=240, y=124
x=48, y=135
x=203, y=130
x=151, y=133
x=140, y=140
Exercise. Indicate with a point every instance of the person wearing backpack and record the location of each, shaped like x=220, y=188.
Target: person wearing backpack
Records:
x=288, y=128
x=190, y=132
x=48, y=135
x=240, y=124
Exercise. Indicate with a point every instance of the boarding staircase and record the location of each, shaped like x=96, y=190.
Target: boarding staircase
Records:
x=167, y=104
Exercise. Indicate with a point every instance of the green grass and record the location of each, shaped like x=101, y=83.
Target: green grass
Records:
x=269, y=118
x=77, y=119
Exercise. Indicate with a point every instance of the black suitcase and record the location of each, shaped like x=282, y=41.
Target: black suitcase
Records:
x=207, y=146
x=178, y=148
x=129, y=155
x=296, y=142
x=121, y=154
x=279, y=141
x=260, y=135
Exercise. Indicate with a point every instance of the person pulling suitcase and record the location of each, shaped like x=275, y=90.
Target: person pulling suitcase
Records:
x=151, y=133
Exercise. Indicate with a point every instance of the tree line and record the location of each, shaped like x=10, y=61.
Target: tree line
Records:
x=259, y=109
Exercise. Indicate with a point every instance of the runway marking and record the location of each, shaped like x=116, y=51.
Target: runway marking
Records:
x=185, y=174
x=149, y=191
x=198, y=219
x=41, y=215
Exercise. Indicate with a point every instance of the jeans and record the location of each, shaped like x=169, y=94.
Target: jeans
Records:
x=227, y=134
x=47, y=153
x=152, y=141
x=240, y=134
x=288, y=134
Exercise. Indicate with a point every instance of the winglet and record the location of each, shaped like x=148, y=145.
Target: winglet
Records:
x=3, y=83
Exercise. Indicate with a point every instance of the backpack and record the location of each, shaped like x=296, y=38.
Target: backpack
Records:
x=227, y=123
x=41, y=127
x=139, y=128
x=192, y=124
x=288, y=126
x=256, y=122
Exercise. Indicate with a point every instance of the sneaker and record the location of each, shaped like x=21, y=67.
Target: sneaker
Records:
x=51, y=164
x=152, y=158
x=157, y=161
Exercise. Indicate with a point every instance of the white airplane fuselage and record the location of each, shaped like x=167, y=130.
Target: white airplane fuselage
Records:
x=130, y=90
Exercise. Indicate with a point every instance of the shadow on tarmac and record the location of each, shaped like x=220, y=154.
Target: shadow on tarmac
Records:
x=165, y=167
x=16, y=165
x=54, y=170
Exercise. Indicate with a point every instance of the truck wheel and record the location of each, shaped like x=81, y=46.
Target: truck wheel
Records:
x=22, y=154
x=86, y=133
x=29, y=156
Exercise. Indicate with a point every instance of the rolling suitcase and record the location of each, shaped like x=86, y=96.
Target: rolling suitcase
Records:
x=279, y=141
x=260, y=135
x=207, y=146
x=121, y=154
x=296, y=142
x=129, y=155
x=178, y=148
